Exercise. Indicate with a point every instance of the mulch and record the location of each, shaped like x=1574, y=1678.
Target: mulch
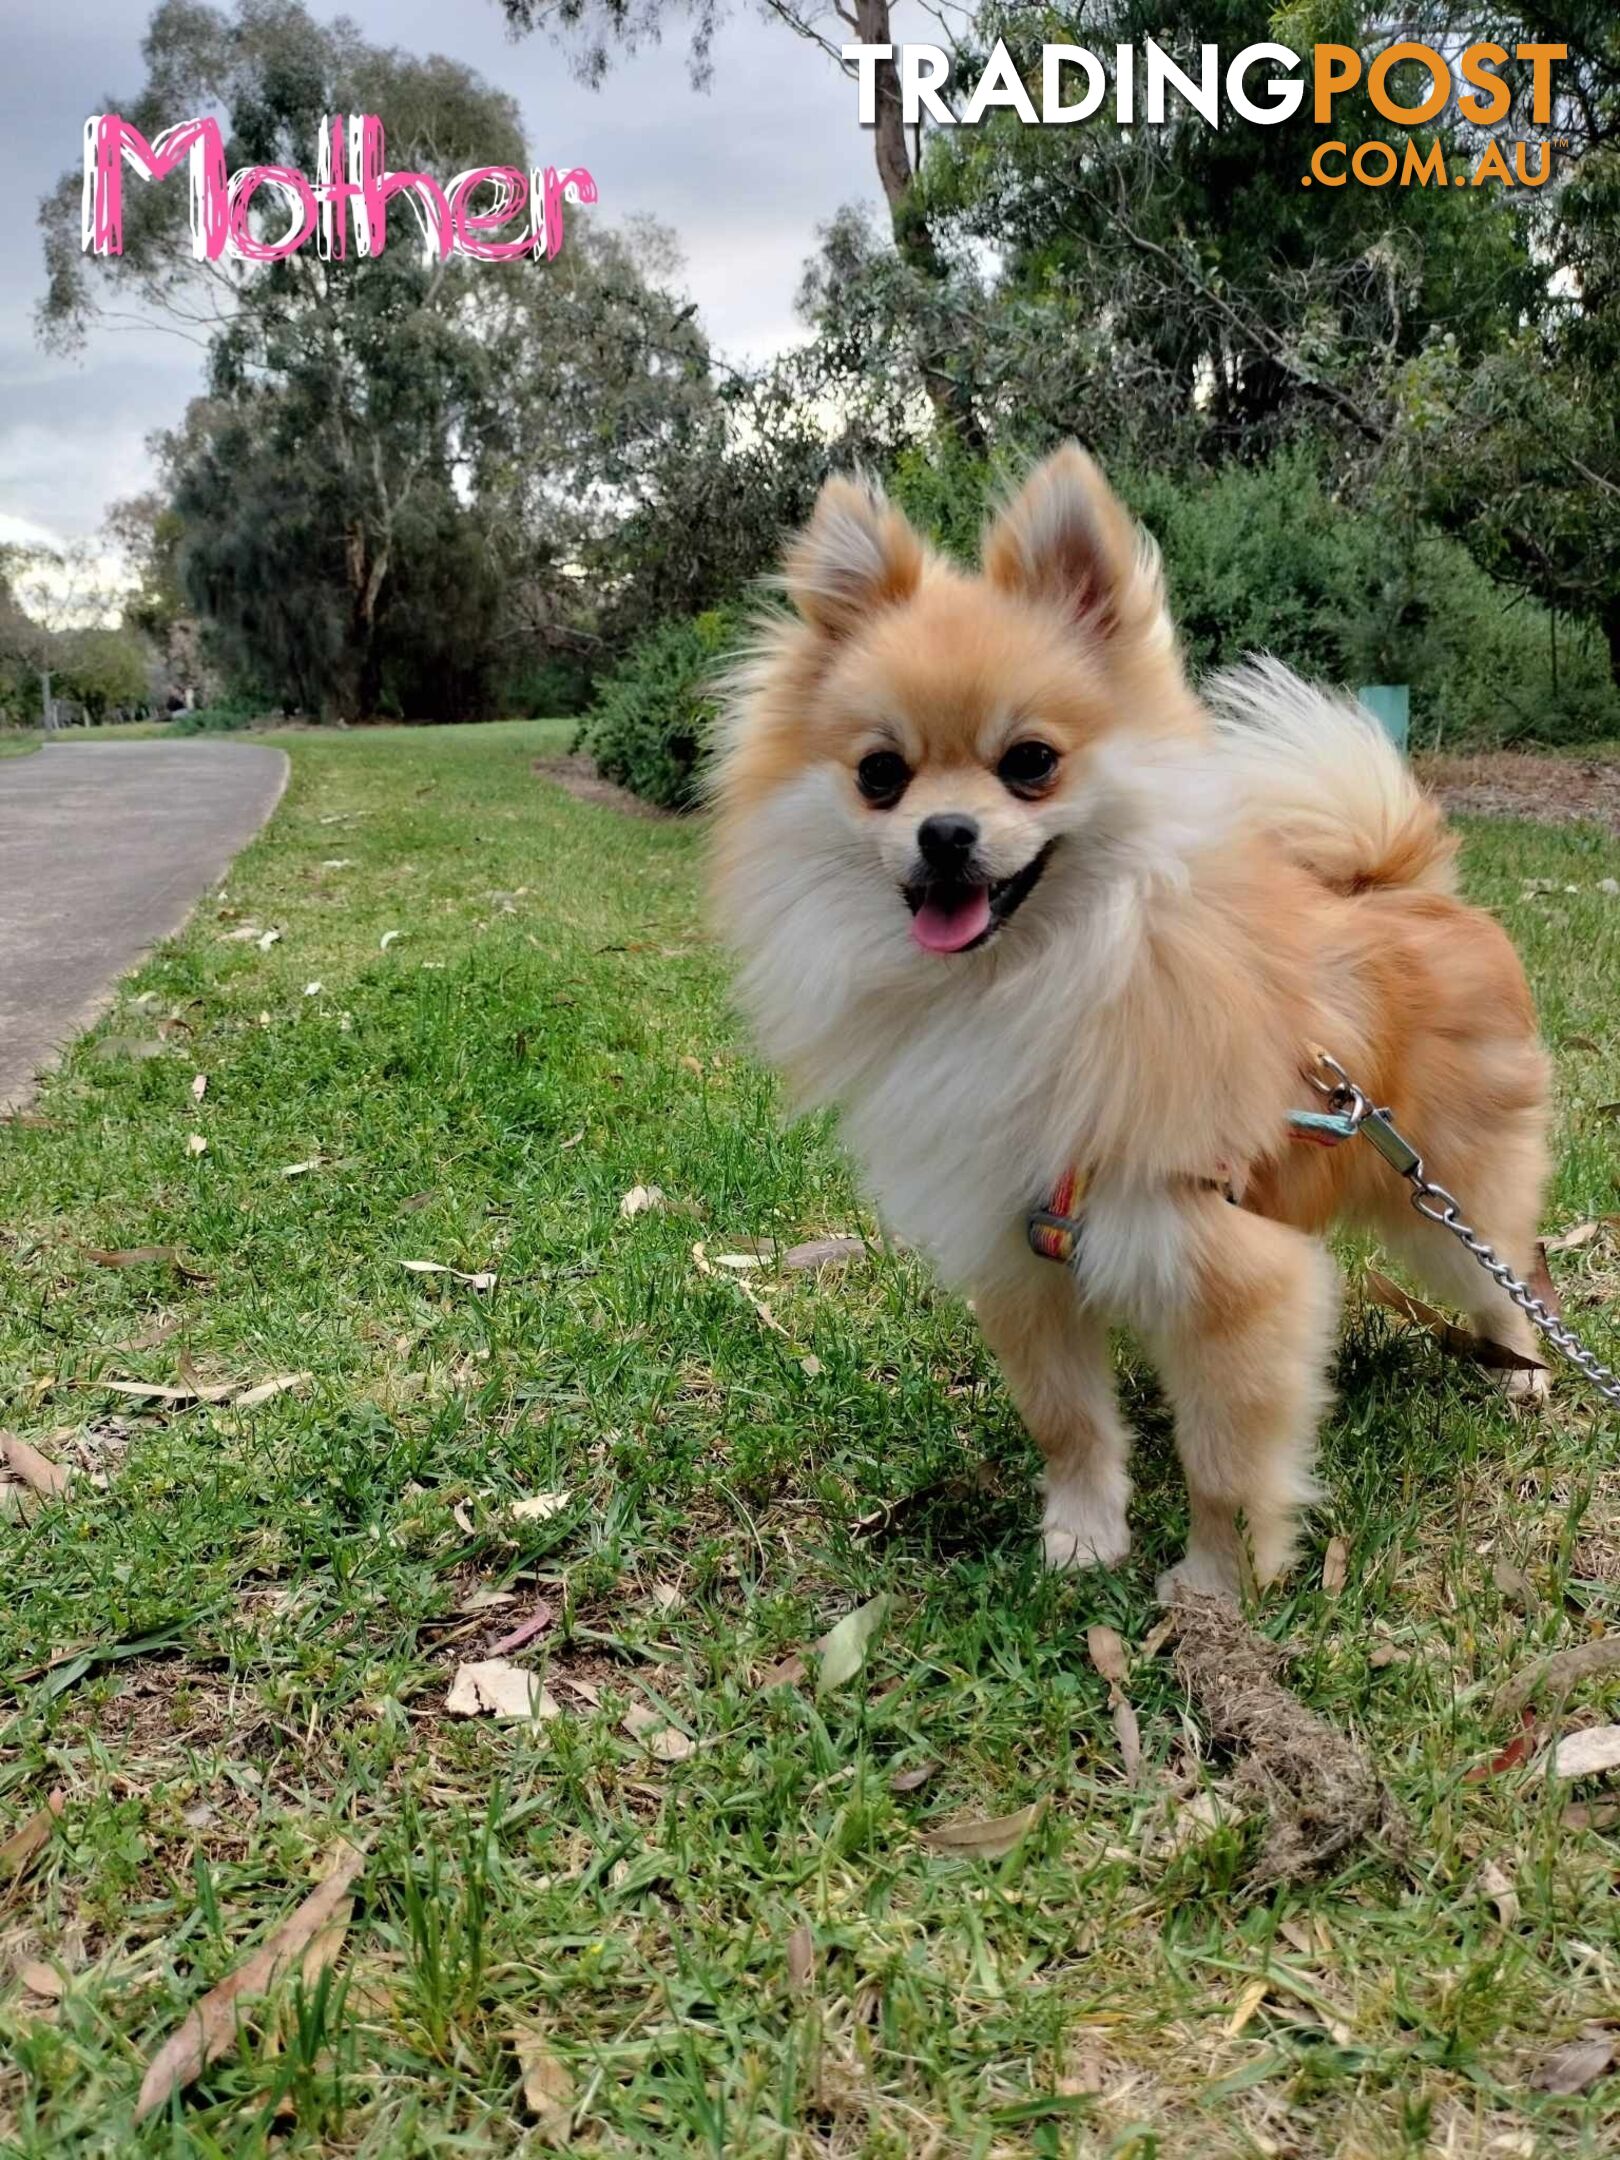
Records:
x=1515, y=783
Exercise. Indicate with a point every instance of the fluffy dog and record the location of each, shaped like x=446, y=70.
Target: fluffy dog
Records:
x=1017, y=900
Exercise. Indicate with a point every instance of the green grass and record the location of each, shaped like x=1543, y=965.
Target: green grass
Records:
x=18, y=742
x=548, y=1029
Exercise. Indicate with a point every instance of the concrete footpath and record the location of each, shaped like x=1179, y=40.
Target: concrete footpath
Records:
x=104, y=850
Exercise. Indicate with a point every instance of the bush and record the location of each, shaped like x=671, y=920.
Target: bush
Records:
x=649, y=728
x=222, y=719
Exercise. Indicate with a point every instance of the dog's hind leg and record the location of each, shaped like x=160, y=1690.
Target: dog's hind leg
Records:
x=1244, y=1358
x=1054, y=1355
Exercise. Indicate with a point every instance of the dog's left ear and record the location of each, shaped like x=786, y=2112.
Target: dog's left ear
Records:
x=1067, y=538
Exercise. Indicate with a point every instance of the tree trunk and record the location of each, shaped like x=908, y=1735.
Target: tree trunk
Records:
x=948, y=392
x=1610, y=619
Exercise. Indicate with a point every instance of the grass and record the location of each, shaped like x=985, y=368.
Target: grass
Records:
x=259, y=1614
x=18, y=742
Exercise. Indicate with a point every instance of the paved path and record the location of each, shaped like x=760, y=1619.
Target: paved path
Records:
x=104, y=847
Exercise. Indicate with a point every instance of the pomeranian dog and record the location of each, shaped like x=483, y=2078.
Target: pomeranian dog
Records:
x=1027, y=908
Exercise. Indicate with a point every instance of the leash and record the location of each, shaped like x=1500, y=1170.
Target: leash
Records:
x=1054, y=1230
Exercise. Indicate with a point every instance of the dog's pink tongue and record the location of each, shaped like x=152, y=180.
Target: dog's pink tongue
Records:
x=939, y=927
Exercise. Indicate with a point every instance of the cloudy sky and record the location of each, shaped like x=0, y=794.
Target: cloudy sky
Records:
x=743, y=173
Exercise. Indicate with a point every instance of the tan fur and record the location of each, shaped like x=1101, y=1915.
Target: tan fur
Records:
x=1220, y=893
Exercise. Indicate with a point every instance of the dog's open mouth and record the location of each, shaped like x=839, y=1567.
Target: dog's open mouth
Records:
x=954, y=915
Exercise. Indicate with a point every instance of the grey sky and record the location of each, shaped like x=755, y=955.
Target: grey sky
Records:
x=743, y=174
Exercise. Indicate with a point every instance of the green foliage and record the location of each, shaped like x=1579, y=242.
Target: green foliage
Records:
x=649, y=728
x=223, y=719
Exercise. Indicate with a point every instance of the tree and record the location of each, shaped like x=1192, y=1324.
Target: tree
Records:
x=591, y=29
x=389, y=451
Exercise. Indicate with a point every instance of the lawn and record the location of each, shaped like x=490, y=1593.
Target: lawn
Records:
x=489, y=1014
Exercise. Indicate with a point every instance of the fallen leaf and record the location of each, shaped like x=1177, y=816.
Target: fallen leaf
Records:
x=196, y=1144
x=199, y=1086
x=154, y=1391
x=1497, y=1885
x=643, y=1200
x=985, y=1838
x=824, y=1252
x=905, y=1781
x=269, y=938
x=801, y=1959
x=252, y=1396
x=212, y=2027
x=40, y=1979
x=842, y=1650
x=302, y=1169
x=388, y=937
x=30, y=1837
x=548, y=2088
x=665, y=1596
x=787, y=1671
x=693, y=1066
x=126, y=1256
x=1572, y=1240
x=313, y=989
x=1107, y=1654
x=50, y=1480
x=1513, y=1586
x=1518, y=1750
x=1335, y=1566
x=1458, y=1341
x=810, y=1366
x=657, y=1735
x=1246, y=2005
x=135, y=1047
x=1387, y=1654
x=492, y=1687
x=1554, y=1675
x=482, y=1279
x=1577, y=2064
x=741, y=1262
x=534, y=1623
x=540, y=1506
x=1585, y=1754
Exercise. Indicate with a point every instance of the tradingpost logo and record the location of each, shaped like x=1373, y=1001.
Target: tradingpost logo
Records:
x=1263, y=85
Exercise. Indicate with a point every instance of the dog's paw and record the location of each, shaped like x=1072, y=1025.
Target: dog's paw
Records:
x=1077, y=1535
x=1527, y=1390
x=1203, y=1574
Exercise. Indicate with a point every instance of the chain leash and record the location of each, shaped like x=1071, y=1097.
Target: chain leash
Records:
x=1355, y=1112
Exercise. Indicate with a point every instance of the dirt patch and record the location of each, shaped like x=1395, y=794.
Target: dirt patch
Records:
x=1317, y=1790
x=578, y=777
x=1512, y=783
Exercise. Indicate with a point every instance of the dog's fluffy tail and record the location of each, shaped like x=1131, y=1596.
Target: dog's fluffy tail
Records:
x=1321, y=775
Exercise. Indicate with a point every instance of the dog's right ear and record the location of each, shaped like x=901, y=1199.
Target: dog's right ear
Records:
x=856, y=554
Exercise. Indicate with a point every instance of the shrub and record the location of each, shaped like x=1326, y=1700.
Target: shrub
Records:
x=222, y=719
x=649, y=728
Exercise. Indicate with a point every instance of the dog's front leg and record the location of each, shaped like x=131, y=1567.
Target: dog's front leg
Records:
x=1244, y=1356
x=1054, y=1355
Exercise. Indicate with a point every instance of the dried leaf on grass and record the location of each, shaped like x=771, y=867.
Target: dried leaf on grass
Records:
x=905, y=1781
x=1458, y=1341
x=643, y=1200
x=1107, y=1654
x=192, y=1388
x=662, y=1740
x=535, y=1623
x=1496, y=1884
x=43, y=1980
x=1577, y=2064
x=548, y=2087
x=491, y=1687
x=1573, y=1239
x=785, y=1672
x=989, y=1837
x=49, y=1479
x=211, y=2028
x=251, y=1397
x=1588, y=1753
x=1553, y=1676
x=480, y=1279
x=1518, y=1750
x=128, y=1256
x=30, y=1838
x=824, y=1252
x=1335, y=1566
x=801, y=1959
x=540, y=1506
x=196, y=1144
x=843, y=1649
x=1317, y=1790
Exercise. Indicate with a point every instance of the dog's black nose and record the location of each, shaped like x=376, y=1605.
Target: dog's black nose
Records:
x=945, y=842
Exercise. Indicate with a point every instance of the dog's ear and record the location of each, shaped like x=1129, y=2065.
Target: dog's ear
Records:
x=857, y=553
x=1067, y=538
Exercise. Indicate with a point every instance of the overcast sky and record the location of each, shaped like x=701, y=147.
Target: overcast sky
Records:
x=743, y=173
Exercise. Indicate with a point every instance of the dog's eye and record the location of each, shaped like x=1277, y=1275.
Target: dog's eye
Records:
x=1028, y=768
x=882, y=776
